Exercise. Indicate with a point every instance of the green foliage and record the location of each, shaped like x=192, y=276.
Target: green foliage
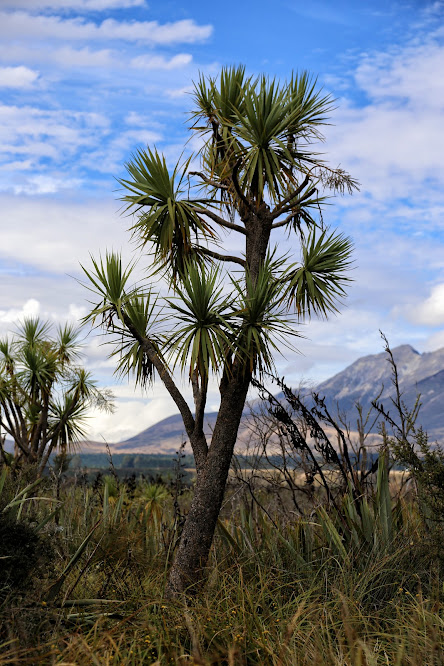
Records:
x=258, y=172
x=319, y=282
x=257, y=160
x=259, y=126
x=168, y=220
x=203, y=338
x=44, y=395
x=264, y=322
x=98, y=594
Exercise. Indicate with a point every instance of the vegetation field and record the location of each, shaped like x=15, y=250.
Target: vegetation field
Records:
x=84, y=569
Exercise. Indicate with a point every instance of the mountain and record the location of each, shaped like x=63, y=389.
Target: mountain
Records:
x=417, y=373
x=163, y=437
x=361, y=381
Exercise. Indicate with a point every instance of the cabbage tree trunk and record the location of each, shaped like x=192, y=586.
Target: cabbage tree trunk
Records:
x=188, y=568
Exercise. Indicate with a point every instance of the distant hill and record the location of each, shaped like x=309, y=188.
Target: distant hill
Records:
x=164, y=436
x=361, y=381
x=417, y=373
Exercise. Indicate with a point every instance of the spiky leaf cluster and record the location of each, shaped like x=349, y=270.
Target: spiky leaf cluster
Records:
x=44, y=395
x=258, y=170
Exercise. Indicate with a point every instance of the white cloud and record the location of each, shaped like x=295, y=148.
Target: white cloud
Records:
x=17, y=77
x=111, y=157
x=408, y=75
x=42, y=184
x=35, y=132
x=130, y=416
x=395, y=142
x=86, y=57
x=13, y=315
x=54, y=236
x=66, y=56
x=431, y=311
x=435, y=341
x=20, y=25
x=18, y=165
x=137, y=119
x=178, y=92
x=160, y=62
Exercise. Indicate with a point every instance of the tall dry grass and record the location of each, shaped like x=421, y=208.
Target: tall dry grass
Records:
x=358, y=586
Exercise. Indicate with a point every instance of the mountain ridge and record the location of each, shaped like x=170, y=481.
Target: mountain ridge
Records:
x=361, y=382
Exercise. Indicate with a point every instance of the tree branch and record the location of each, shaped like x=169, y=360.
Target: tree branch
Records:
x=208, y=181
x=237, y=188
x=164, y=375
x=52, y=439
x=14, y=429
x=223, y=257
x=306, y=196
x=221, y=221
x=279, y=208
x=288, y=219
x=198, y=440
x=20, y=423
x=200, y=399
x=6, y=429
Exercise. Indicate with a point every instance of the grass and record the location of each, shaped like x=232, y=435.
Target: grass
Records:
x=281, y=589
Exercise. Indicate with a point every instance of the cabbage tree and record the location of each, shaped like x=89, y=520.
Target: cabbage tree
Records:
x=44, y=393
x=226, y=315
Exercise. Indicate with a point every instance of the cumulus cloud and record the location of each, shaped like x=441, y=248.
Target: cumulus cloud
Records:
x=431, y=311
x=54, y=236
x=34, y=132
x=21, y=25
x=174, y=93
x=17, y=77
x=130, y=417
x=408, y=74
x=65, y=56
x=42, y=184
x=86, y=57
x=29, y=309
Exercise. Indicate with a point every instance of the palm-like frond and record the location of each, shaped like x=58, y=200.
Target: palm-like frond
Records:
x=43, y=395
x=118, y=308
x=67, y=420
x=7, y=360
x=310, y=109
x=264, y=325
x=108, y=281
x=33, y=331
x=132, y=358
x=318, y=284
x=203, y=339
x=215, y=102
x=261, y=127
x=83, y=388
x=66, y=344
x=166, y=219
x=39, y=369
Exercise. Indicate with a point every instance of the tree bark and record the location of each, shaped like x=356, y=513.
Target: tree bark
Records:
x=188, y=569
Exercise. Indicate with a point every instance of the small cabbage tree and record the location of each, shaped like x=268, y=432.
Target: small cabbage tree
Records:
x=226, y=315
x=44, y=393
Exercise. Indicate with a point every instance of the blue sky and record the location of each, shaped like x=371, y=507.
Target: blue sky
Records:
x=84, y=83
